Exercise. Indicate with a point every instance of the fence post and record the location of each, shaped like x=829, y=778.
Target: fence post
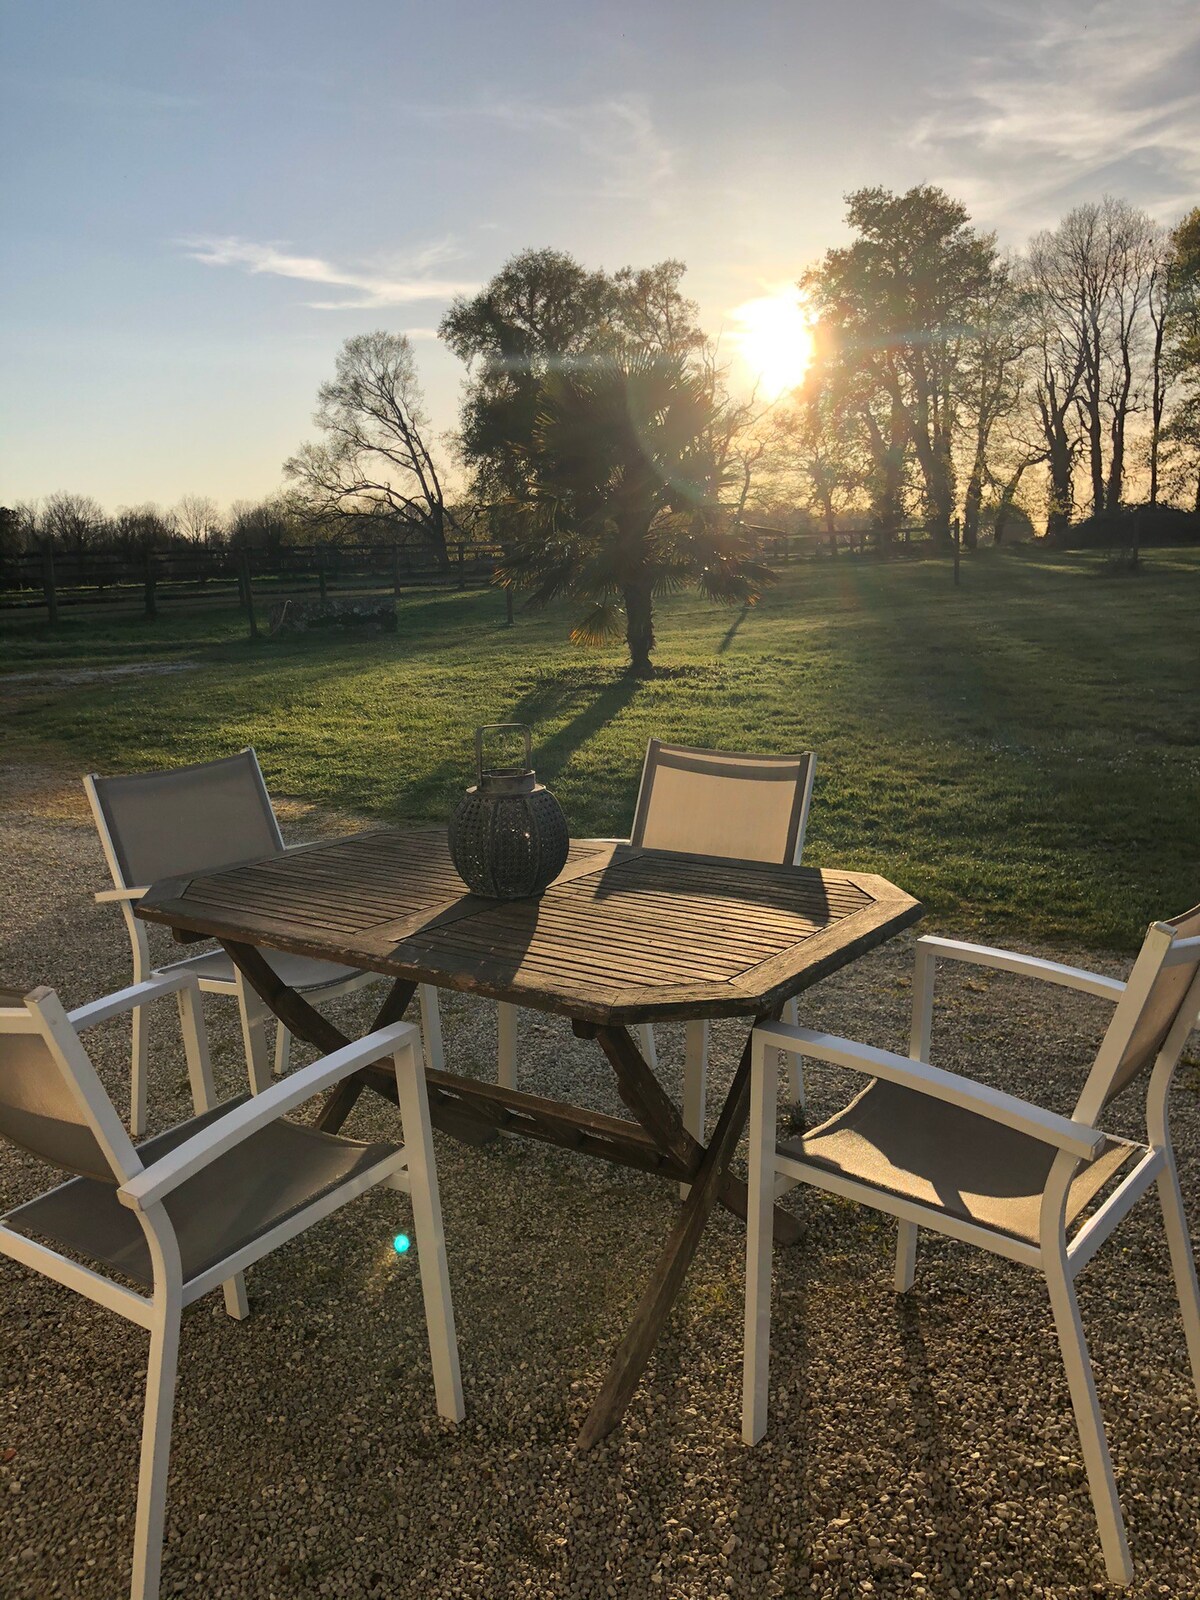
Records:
x=248, y=593
x=151, y=596
x=48, y=585
x=462, y=577
x=957, y=547
x=321, y=570
x=396, y=570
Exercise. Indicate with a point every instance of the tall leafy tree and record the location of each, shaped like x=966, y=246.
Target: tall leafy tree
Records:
x=544, y=312
x=1181, y=435
x=619, y=506
x=899, y=301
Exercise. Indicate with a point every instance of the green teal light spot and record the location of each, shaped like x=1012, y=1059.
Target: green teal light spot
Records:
x=401, y=1243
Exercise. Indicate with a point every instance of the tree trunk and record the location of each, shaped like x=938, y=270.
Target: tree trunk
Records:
x=971, y=508
x=830, y=525
x=1061, y=491
x=435, y=534
x=639, y=627
x=1008, y=496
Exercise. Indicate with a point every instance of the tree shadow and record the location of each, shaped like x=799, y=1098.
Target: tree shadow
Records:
x=588, y=698
x=731, y=631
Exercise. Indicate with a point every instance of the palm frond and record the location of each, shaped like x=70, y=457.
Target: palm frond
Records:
x=598, y=625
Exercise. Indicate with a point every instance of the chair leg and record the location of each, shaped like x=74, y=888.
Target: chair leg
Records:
x=283, y=1051
x=156, y=1450
x=1090, y=1422
x=431, y=1027
x=644, y=1033
x=431, y=1238
x=795, y=1063
x=695, y=1074
x=138, y=1071
x=1182, y=1262
x=760, y=1222
x=254, y=1015
x=195, y=1049
x=236, y=1303
x=906, y=1255
x=506, y=1045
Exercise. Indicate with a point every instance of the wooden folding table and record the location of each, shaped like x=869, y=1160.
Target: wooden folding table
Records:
x=622, y=936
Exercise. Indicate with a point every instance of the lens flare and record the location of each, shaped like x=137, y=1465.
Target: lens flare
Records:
x=401, y=1243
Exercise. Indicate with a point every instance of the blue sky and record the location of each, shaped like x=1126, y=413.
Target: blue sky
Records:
x=201, y=201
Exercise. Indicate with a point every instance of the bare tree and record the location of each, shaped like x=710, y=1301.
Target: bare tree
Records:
x=197, y=518
x=71, y=521
x=1132, y=242
x=1093, y=273
x=820, y=435
x=992, y=381
x=374, y=460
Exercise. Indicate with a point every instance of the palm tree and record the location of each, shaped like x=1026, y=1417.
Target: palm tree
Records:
x=620, y=505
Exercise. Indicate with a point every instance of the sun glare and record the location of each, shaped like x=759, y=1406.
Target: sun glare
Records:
x=774, y=339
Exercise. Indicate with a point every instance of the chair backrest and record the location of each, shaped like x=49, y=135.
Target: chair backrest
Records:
x=1154, y=1016
x=52, y=1104
x=185, y=820
x=716, y=803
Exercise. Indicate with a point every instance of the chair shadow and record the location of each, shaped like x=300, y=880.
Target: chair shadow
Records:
x=929, y=1441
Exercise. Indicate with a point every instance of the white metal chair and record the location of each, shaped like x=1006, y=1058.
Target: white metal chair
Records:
x=195, y=1206
x=940, y=1151
x=709, y=803
x=194, y=819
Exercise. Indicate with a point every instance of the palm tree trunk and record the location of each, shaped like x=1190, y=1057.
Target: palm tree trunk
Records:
x=639, y=627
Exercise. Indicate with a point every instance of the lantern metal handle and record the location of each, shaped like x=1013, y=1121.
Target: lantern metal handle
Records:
x=508, y=727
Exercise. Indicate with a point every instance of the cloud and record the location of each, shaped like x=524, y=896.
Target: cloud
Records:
x=1071, y=100
x=617, y=135
x=399, y=282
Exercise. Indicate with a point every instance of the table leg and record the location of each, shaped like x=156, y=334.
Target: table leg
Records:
x=657, y=1113
x=667, y=1279
x=307, y=1023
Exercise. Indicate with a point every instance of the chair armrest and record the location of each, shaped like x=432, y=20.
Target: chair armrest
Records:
x=982, y=955
x=1021, y=1115
x=106, y=896
x=156, y=1181
x=138, y=994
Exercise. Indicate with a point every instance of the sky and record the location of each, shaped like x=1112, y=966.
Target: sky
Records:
x=202, y=201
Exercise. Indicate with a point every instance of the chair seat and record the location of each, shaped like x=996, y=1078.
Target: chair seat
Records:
x=917, y=1148
x=240, y=1196
x=297, y=972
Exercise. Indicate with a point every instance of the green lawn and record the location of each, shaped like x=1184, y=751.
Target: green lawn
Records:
x=1023, y=753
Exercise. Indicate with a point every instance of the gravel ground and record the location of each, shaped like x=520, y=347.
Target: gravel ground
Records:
x=922, y=1446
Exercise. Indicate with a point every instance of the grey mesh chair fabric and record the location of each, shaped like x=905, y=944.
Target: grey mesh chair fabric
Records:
x=716, y=803
x=188, y=820
x=899, y=1141
x=196, y=819
x=237, y=1199
x=946, y=1153
x=39, y=1111
x=191, y=1209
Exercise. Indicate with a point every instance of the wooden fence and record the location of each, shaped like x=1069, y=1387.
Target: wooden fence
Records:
x=56, y=580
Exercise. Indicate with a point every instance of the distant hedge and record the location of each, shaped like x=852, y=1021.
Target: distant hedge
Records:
x=1143, y=525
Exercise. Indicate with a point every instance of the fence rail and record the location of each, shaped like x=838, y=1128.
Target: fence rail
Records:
x=51, y=580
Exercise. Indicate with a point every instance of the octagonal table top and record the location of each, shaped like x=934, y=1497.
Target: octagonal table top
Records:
x=622, y=935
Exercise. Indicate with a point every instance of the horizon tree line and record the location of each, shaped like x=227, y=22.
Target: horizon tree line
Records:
x=949, y=382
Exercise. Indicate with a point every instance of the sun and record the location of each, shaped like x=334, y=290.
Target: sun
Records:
x=774, y=338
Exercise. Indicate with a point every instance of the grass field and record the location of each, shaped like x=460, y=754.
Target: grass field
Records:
x=1022, y=753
